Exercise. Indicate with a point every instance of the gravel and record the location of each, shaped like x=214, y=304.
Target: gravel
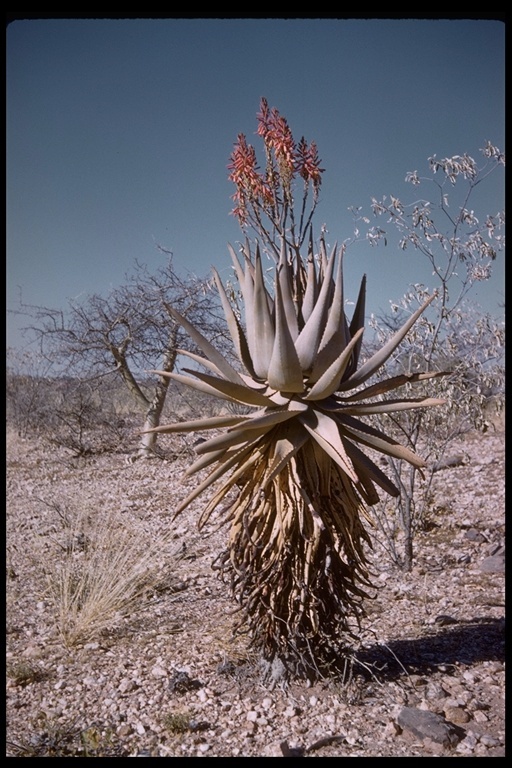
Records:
x=169, y=680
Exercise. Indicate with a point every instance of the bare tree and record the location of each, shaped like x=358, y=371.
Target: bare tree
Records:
x=128, y=333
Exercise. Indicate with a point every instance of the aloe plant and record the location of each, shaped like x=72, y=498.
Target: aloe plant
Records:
x=290, y=476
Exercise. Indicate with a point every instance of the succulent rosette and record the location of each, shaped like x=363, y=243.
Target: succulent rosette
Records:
x=292, y=474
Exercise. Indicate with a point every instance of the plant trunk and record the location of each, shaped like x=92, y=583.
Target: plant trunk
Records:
x=408, y=516
x=148, y=439
x=408, y=547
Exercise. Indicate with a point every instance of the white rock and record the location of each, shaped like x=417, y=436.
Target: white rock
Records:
x=126, y=685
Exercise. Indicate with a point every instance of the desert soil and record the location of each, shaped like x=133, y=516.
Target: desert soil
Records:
x=427, y=678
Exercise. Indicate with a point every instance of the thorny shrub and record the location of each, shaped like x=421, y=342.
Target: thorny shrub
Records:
x=461, y=249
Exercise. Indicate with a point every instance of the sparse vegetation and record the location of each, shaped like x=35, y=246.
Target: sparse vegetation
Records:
x=53, y=739
x=456, y=336
x=107, y=593
x=119, y=682
x=99, y=570
x=177, y=722
x=119, y=336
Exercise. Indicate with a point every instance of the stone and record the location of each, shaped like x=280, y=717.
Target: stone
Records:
x=489, y=741
x=126, y=685
x=424, y=724
x=456, y=715
x=272, y=750
x=158, y=671
x=493, y=564
x=290, y=751
x=473, y=535
x=448, y=463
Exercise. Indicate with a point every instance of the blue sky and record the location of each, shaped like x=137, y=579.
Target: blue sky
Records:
x=119, y=132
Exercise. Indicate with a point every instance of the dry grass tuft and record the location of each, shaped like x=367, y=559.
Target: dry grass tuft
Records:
x=102, y=572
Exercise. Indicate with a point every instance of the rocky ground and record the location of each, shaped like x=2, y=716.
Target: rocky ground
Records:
x=168, y=679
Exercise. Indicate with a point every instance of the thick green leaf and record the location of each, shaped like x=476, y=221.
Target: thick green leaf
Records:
x=389, y=406
x=249, y=310
x=336, y=335
x=270, y=418
x=285, y=448
x=195, y=384
x=326, y=432
x=228, y=439
x=285, y=280
x=309, y=293
x=198, y=425
x=225, y=466
x=234, y=327
x=328, y=383
x=264, y=332
x=205, y=461
x=380, y=387
x=201, y=360
x=309, y=338
x=265, y=390
x=237, y=266
x=381, y=442
x=278, y=398
x=356, y=323
x=323, y=258
x=362, y=426
x=365, y=467
x=209, y=350
x=379, y=358
x=230, y=390
x=284, y=371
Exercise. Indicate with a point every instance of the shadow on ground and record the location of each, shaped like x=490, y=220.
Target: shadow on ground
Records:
x=469, y=642
x=438, y=649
